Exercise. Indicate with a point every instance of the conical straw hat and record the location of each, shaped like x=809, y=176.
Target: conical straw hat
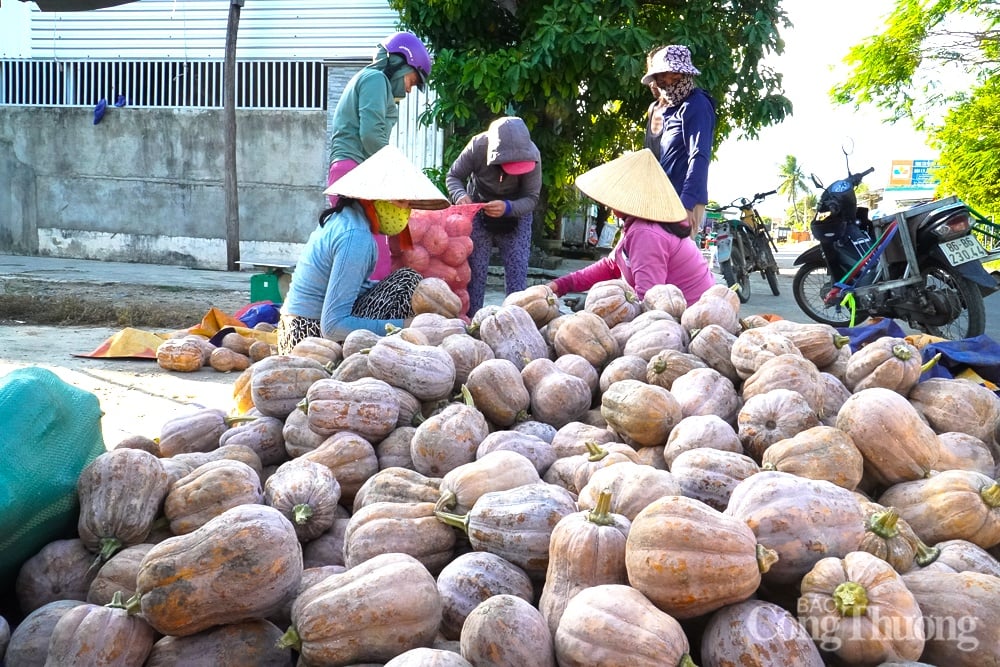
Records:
x=634, y=184
x=388, y=175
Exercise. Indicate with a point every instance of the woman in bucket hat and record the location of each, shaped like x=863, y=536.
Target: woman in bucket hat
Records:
x=501, y=167
x=655, y=247
x=680, y=127
x=330, y=294
x=367, y=111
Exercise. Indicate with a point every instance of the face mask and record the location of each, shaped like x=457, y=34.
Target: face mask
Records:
x=391, y=218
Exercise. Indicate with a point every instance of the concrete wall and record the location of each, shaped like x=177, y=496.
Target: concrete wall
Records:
x=146, y=185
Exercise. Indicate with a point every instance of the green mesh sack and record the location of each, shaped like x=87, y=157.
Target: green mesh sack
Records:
x=51, y=430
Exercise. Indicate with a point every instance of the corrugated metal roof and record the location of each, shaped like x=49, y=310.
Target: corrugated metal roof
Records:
x=269, y=29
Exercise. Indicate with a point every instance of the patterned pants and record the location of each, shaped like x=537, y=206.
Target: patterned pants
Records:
x=515, y=247
x=389, y=299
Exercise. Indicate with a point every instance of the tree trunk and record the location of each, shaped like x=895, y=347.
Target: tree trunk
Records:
x=229, y=113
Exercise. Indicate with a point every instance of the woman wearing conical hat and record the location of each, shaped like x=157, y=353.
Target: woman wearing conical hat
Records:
x=330, y=294
x=655, y=247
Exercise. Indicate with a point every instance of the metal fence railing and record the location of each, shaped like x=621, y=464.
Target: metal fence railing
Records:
x=162, y=83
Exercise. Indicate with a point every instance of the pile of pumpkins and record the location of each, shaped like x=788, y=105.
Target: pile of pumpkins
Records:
x=641, y=482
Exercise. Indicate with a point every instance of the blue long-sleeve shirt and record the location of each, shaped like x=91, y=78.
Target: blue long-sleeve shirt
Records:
x=684, y=147
x=332, y=273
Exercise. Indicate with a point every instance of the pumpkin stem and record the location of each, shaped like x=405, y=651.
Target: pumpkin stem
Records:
x=601, y=514
x=885, y=524
x=303, y=405
x=302, y=513
x=392, y=329
x=686, y=661
x=851, y=599
x=931, y=363
x=109, y=545
x=765, y=558
x=595, y=451
x=447, y=501
x=453, y=520
x=902, y=351
x=290, y=639
x=767, y=465
x=991, y=495
x=418, y=419
x=116, y=601
x=659, y=366
x=925, y=555
x=229, y=421
x=134, y=604
x=840, y=341
x=467, y=396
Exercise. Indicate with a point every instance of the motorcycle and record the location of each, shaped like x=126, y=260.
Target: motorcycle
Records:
x=744, y=246
x=921, y=265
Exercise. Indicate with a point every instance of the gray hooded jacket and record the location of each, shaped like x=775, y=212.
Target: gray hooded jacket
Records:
x=477, y=171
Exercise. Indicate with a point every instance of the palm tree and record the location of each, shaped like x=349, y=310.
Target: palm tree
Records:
x=793, y=181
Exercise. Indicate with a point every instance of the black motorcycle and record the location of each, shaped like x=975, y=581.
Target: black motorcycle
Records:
x=921, y=265
x=743, y=246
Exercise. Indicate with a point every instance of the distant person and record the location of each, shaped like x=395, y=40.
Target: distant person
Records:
x=330, y=295
x=503, y=168
x=680, y=127
x=367, y=111
x=655, y=246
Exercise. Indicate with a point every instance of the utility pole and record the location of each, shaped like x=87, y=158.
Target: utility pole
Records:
x=229, y=113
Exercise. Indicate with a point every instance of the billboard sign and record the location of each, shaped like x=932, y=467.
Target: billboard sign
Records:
x=912, y=174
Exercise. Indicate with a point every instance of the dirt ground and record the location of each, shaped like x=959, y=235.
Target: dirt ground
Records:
x=44, y=324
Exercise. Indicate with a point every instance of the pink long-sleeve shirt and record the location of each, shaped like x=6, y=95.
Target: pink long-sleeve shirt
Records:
x=646, y=255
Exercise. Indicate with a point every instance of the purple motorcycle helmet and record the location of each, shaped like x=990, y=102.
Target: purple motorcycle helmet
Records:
x=413, y=51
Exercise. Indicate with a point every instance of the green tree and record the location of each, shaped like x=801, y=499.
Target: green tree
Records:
x=793, y=182
x=802, y=212
x=571, y=69
x=908, y=71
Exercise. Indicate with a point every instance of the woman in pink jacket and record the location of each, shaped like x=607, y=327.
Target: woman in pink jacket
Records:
x=655, y=247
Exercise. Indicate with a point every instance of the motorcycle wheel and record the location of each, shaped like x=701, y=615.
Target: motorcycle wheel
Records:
x=734, y=270
x=811, y=284
x=772, y=281
x=769, y=265
x=972, y=320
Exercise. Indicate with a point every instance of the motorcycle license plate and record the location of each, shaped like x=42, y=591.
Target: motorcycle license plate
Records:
x=723, y=247
x=962, y=250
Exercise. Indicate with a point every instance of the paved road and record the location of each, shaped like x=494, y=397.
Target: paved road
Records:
x=762, y=301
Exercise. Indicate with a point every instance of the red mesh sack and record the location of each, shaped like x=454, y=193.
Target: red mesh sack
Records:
x=441, y=246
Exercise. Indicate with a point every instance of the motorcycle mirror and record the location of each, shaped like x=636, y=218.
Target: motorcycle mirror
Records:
x=815, y=179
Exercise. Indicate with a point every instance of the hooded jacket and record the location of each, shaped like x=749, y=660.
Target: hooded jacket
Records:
x=477, y=171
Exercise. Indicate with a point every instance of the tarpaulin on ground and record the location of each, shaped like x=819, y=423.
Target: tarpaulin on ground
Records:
x=132, y=343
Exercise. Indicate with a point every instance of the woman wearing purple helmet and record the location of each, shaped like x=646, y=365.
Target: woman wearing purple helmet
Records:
x=367, y=111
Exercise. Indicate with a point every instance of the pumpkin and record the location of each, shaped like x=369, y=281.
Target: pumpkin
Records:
x=613, y=301
x=819, y=343
x=367, y=407
x=486, y=635
x=29, y=641
x=656, y=336
x=391, y=527
x=834, y=394
x=498, y=391
x=576, y=365
x=307, y=493
x=179, y=354
x=325, y=552
x=120, y=493
x=426, y=371
x=713, y=307
x=588, y=335
x=890, y=538
x=208, y=491
x=755, y=346
x=263, y=435
x=858, y=608
x=587, y=549
x=787, y=371
x=281, y=381
x=539, y=301
x=710, y=475
x=242, y=564
x=667, y=365
x=604, y=623
x=471, y=578
x=467, y=353
x=886, y=362
x=961, y=451
x=197, y=431
x=179, y=465
x=690, y=559
x=572, y=438
x=539, y=452
x=773, y=416
x=499, y=470
x=117, y=575
x=666, y=297
x=962, y=556
x=897, y=445
x=323, y=350
x=714, y=345
x=820, y=452
x=633, y=486
x=755, y=633
x=958, y=610
x=708, y=430
x=958, y=405
x=705, y=391
x=400, y=485
x=62, y=569
x=91, y=634
x=435, y=328
x=225, y=360
x=625, y=367
x=557, y=398
x=433, y=295
x=640, y=413
x=394, y=450
x=622, y=331
x=516, y=524
x=231, y=645
x=802, y=519
x=429, y=657
x=574, y=471
x=512, y=335
x=298, y=437
x=369, y=613
x=350, y=458
x=358, y=340
x=353, y=368
x=448, y=439
x=954, y=504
